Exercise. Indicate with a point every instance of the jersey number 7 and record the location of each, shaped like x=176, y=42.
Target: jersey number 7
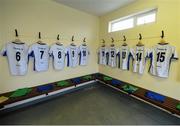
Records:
x=42, y=52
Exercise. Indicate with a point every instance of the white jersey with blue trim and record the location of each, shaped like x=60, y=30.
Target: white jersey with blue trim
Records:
x=102, y=56
x=58, y=53
x=83, y=55
x=139, y=54
x=112, y=55
x=72, y=56
x=161, y=57
x=17, y=55
x=40, y=52
x=124, y=57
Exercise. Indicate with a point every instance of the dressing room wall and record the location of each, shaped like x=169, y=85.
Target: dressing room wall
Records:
x=168, y=19
x=49, y=18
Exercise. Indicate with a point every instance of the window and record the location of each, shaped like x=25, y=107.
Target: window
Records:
x=123, y=24
x=146, y=18
x=133, y=20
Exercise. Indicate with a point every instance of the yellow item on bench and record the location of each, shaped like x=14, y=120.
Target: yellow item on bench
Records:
x=3, y=99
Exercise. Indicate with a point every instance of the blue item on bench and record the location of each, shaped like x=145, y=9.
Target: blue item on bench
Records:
x=155, y=96
x=45, y=88
x=76, y=80
x=116, y=82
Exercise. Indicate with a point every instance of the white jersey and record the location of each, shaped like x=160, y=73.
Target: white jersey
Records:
x=58, y=53
x=161, y=56
x=112, y=52
x=40, y=52
x=139, y=54
x=72, y=56
x=102, y=55
x=124, y=58
x=83, y=55
x=17, y=54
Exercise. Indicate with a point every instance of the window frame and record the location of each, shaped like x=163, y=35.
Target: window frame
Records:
x=135, y=16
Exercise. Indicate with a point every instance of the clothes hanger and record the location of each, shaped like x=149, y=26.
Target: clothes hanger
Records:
x=112, y=45
x=72, y=44
x=103, y=43
x=40, y=41
x=140, y=38
x=84, y=42
x=124, y=44
x=162, y=42
x=17, y=40
x=58, y=43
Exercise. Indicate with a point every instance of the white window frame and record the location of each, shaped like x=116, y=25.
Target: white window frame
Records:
x=135, y=16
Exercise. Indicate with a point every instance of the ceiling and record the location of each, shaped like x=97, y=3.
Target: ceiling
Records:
x=95, y=7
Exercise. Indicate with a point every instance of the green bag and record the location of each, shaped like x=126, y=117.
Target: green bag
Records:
x=88, y=77
x=129, y=88
x=178, y=106
x=107, y=78
x=21, y=92
x=62, y=83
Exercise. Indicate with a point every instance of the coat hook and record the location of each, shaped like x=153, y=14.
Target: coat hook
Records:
x=124, y=38
x=112, y=39
x=72, y=38
x=84, y=40
x=58, y=37
x=39, y=35
x=16, y=33
x=140, y=36
x=103, y=41
x=162, y=34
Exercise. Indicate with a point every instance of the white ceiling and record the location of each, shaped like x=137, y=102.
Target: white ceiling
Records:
x=95, y=7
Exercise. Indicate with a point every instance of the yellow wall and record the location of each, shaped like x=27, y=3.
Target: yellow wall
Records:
x=50, y=18
x=32, y=16
x=168, y=19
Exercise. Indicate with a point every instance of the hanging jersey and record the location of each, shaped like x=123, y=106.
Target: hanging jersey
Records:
x=112, y=53
x=83, y=55
x=161, y=57
x=72, y=56
x=139, y=54
x=58, y=52
x=102, y=55
x=17, y=54
x=40, y=52
x=124, y=58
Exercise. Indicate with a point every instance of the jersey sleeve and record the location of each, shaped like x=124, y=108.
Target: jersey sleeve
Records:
x=30, y=51
x=51, y=51
x=132, y=53
x=175, y=54
x=146, y=53
x=4, y=51
x=88, y=51
x=117, y=51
